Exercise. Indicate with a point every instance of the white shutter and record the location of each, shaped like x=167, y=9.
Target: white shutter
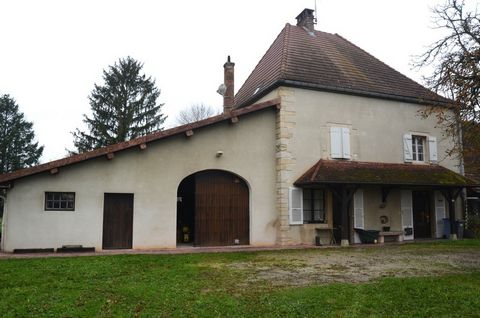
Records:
x=358, y=214
x=407, y=147
x=432, y=148
x=336, y=142
x=295, y=202
x=346, y=142
x=440, y=213
x=407, y=212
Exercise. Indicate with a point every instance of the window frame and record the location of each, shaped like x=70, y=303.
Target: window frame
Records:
x=415, y=147
x=61, y=193
x=311, y=209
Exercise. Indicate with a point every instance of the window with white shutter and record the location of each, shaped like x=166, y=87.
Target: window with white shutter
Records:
x=295, y=203
x=340, y=142
x=407, y=148
x=406, y=209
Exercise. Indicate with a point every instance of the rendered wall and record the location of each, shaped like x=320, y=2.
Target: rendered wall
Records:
x=377, y=127
x=153, y=176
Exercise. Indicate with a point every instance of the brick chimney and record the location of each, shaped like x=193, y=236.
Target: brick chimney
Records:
x=306, y=19
x=228, y=96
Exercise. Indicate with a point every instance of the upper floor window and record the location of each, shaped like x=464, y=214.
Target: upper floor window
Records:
x=59, y=201
x=340, y=142
x=418, y=148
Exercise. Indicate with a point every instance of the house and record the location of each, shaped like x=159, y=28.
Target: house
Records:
x=321, y=136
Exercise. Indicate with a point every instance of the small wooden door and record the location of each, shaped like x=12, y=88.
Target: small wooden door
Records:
x=117, y=220
x=421, y=214
x=221, y=209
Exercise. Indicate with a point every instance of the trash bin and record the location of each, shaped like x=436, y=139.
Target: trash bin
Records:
x=460, y=228
x=446, y=228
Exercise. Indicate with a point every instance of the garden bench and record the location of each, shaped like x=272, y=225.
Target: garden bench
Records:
x=397, y=234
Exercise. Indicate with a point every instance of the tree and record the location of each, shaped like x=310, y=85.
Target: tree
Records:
x=455, y=59
x=195, y=113
x=123, y=108
x=17, y=146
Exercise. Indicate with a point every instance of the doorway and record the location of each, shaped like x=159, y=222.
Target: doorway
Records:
x=213, y=209
x=117, y=220
x=421, y=214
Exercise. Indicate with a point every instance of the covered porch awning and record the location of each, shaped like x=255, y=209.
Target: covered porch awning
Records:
x=375, y=173
x=343, y=178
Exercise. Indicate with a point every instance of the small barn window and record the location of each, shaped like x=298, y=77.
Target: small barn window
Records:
x=59, y=201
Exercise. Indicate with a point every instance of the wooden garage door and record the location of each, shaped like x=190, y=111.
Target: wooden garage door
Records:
x=221, y=209
x=117, y=220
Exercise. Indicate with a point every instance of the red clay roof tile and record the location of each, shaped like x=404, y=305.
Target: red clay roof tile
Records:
x=328, y=62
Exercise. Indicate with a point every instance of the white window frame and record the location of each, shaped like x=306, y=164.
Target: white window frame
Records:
x=415, y=147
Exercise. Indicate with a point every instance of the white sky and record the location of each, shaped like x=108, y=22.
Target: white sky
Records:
x=52, y=52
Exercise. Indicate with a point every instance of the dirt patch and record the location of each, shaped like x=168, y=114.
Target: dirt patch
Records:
x=353, y=265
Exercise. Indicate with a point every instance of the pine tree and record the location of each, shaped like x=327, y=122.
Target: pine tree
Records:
x=17, y=147
x=125, y=107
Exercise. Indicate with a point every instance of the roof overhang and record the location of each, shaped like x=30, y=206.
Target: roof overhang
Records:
x=375, y=173
x=140, y=143
x=342, y=90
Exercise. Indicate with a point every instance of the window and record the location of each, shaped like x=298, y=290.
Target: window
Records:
x=306, y=206
x=59, y=201
x=313, y=206
x=340, y=142
x=415, y=148
x=418, y=148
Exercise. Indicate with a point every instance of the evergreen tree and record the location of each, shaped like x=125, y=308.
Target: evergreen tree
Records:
x=125, y=107
x=17, y=147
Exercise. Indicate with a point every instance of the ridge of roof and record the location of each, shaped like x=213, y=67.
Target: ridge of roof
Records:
x=105, y=151
x=327, y=61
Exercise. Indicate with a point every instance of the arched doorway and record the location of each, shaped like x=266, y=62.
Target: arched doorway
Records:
x=213, y=209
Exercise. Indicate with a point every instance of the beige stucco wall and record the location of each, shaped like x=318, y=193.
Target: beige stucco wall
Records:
x=377, y=127
x=153, y=175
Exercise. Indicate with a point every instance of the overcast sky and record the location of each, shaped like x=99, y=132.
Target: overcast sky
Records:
x=52, y=52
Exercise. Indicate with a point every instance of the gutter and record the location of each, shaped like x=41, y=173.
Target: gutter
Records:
x=4, y=222
x=341, y=90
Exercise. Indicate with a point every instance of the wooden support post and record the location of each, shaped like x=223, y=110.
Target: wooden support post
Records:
x=451, y=196
x=344, y=209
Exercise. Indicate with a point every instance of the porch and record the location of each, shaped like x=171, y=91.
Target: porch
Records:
x=410, y=201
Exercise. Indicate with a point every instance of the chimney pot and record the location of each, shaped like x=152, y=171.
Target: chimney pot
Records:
x=306, y=19
x=228, y=97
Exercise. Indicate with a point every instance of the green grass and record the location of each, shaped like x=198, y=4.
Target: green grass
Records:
x=206, y=285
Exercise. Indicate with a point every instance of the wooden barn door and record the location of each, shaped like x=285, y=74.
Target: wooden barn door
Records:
x=117, y=220
x=221, y=209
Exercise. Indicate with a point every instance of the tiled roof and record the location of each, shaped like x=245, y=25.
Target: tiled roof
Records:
x=328, y=62
x=140, y=142
x=354, y=172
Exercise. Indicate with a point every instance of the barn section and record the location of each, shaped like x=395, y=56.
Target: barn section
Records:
x=150, y=170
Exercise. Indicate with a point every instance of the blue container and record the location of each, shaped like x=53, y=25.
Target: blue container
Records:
x=446, y=228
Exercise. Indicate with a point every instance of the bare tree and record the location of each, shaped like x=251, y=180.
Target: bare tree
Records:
x=195, y=113
x=455, y=60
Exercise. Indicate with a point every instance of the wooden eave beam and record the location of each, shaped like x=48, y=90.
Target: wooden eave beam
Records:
x=110, y=155
x=54, y=171
x=234, y=120
x=189, y=133
x=143, y=146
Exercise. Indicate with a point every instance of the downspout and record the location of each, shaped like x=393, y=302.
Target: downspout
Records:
x=4, y=221
x=461, y=167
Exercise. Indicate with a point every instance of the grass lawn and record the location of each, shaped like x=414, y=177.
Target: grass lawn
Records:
x=246, y=284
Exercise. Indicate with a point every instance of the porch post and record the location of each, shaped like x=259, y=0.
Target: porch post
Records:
x=344, y=195
x=451, y=212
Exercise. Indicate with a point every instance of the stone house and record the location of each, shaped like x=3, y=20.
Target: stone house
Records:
x=321, y=139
